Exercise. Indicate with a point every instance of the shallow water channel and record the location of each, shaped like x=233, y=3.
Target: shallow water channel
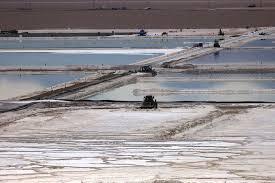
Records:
x=16, y=84
x=88, y=50
x=69, y=58
x=203, y=87
x=102, y=42
x=238, y=56
x=261, y=43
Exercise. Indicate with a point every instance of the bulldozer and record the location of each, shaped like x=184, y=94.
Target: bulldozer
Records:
x=148, y=69
x=149, y=102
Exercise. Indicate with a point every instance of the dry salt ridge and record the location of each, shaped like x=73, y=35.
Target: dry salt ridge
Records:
x=107, y=141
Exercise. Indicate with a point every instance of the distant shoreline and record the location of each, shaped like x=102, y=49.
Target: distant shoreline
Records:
x=54, y=33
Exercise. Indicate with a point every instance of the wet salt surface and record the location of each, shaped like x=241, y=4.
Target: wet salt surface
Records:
x=238, y=56
x=15, y=84
x=202, y=87
x=102, y=42
x=260, y=43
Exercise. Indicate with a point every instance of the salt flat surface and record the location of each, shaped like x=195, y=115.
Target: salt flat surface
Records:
x=102, y=121
x=118, y=145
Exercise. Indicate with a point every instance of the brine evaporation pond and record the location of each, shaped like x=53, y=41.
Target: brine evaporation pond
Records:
x=89, y=50
x=237, y=56
x=202, y=87
x=260, y=43
x=70, y=57
x=16, y=84
x=103, y=42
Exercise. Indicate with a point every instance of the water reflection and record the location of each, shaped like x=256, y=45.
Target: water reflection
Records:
x=96, y=42
x=260, y=43
x=13, y=88
x=238, y=56
x=12, y=85
x=239, y=87
x=58, y=59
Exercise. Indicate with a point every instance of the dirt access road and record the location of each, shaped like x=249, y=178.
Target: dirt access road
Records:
x=43, y=14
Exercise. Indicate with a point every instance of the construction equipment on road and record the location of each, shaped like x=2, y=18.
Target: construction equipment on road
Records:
x=217, y=44
x=8, y=32
x=262, y=33
x=149, y=102
x=221, y=33
x=148, y=69
x=253, y=5
x=197, y=45
x=164, y=34
x=142, y=32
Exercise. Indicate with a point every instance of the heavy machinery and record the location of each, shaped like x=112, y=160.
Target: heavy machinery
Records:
x=149, y=102
x=164, y=34
x=197, y=45
x=253, y=5
x=262, y=33
x=142, y=32
x=148, y=69
x=221, y=33
x=217, y=44
x=14, y=31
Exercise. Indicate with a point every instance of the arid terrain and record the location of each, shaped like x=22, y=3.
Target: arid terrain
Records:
x=123, y=14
